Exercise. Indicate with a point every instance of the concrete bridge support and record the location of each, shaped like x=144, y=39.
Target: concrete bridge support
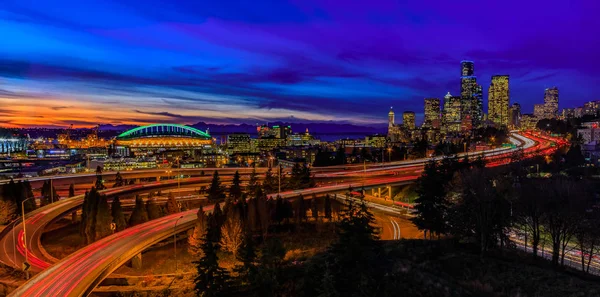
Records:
x=136, y=261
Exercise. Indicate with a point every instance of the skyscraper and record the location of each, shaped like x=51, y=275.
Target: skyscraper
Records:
x=471, y=94
x=408, y=120
x=498, y=100
x=452, y=113
x=551, y=103
x=478, y=106
x=393, y=129
x=515, y=115
x=539, y=111
x=432, y=113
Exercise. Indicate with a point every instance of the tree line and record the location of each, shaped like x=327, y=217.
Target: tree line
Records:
x=513, y=204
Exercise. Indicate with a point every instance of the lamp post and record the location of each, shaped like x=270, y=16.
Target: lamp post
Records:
x=25, y=234
x=279, y=175
x=175, y=241
x=51, y=192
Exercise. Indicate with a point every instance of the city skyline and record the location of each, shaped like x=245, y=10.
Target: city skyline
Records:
x=295, y=61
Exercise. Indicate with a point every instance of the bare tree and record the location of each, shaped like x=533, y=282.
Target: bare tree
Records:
x=264, y=214
x=529, y=211
x=481, y=209
x=565, y=202
x=232, y=232
x=587, y=237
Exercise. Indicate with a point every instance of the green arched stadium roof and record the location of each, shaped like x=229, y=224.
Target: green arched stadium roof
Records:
x=132, y=132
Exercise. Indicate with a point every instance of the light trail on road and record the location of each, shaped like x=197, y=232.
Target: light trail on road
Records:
x=80, y=272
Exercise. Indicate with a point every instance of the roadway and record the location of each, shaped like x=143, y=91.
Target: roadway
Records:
x=96, y=261
x=90, y=177
x=37, y=221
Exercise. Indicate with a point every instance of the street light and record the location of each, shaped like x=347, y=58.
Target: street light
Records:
x=175, y=241
x=25, y=234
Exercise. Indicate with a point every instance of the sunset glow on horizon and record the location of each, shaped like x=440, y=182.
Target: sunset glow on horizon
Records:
x=118, y=62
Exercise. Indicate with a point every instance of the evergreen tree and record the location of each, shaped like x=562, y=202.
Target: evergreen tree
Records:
x=253, y=185
x=99, y=181
x=217, y=214
x=49, y=194
x=351, y=275
x=301, y=177
x=270, y=184
x=211, y=280
x=139, y=214
x=327, y=207
x=247, y=271
x=103, y=218
x=118, y=180
x=71, y=190
x=196, y=238
x=172, y=206
x=153, y=209
x=263, y=214
x=365, y=154
x=235, y=191
x=340, y=156
x=89, y=215
x=431, y=205
x=85, y=208
x=116, y=212
x=278, y=214
x=27, y=193
x=322, y=159
x=295, y=181
x=215, y=191
x=272, y=253
x=300, y=209
x=306, y=181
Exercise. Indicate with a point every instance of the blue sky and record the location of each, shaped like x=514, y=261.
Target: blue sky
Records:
x=128, y=62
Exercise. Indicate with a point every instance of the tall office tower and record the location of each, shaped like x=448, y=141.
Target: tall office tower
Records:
x=539, y=111
x=391, y=117
x=551, y=103
x=471, y=94
x=281, y=131
x=478, y=107
x=515, y=115
x=452, y=113
x=432, y=113
x=498, y=99
x=466, y=68
x=408, y=119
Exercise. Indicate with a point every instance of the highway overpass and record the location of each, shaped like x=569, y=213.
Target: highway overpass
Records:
x=101, y=266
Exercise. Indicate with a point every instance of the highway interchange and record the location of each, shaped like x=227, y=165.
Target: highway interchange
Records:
x=79, y=273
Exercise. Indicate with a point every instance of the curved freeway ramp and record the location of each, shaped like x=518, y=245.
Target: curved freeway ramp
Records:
x=90, y=265
x=12, y=243
x=79, y=273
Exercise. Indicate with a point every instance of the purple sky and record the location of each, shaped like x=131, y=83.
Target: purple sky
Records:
x=119, y=61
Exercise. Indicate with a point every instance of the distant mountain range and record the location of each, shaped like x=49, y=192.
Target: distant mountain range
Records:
x=313, y=128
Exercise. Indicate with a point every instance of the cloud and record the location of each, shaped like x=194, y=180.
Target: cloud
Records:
x=60, y=107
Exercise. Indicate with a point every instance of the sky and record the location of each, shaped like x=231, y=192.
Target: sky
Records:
x=155, y=61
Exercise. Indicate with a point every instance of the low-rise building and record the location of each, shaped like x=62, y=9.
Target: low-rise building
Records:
x=376, y=140
x=239, y=143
